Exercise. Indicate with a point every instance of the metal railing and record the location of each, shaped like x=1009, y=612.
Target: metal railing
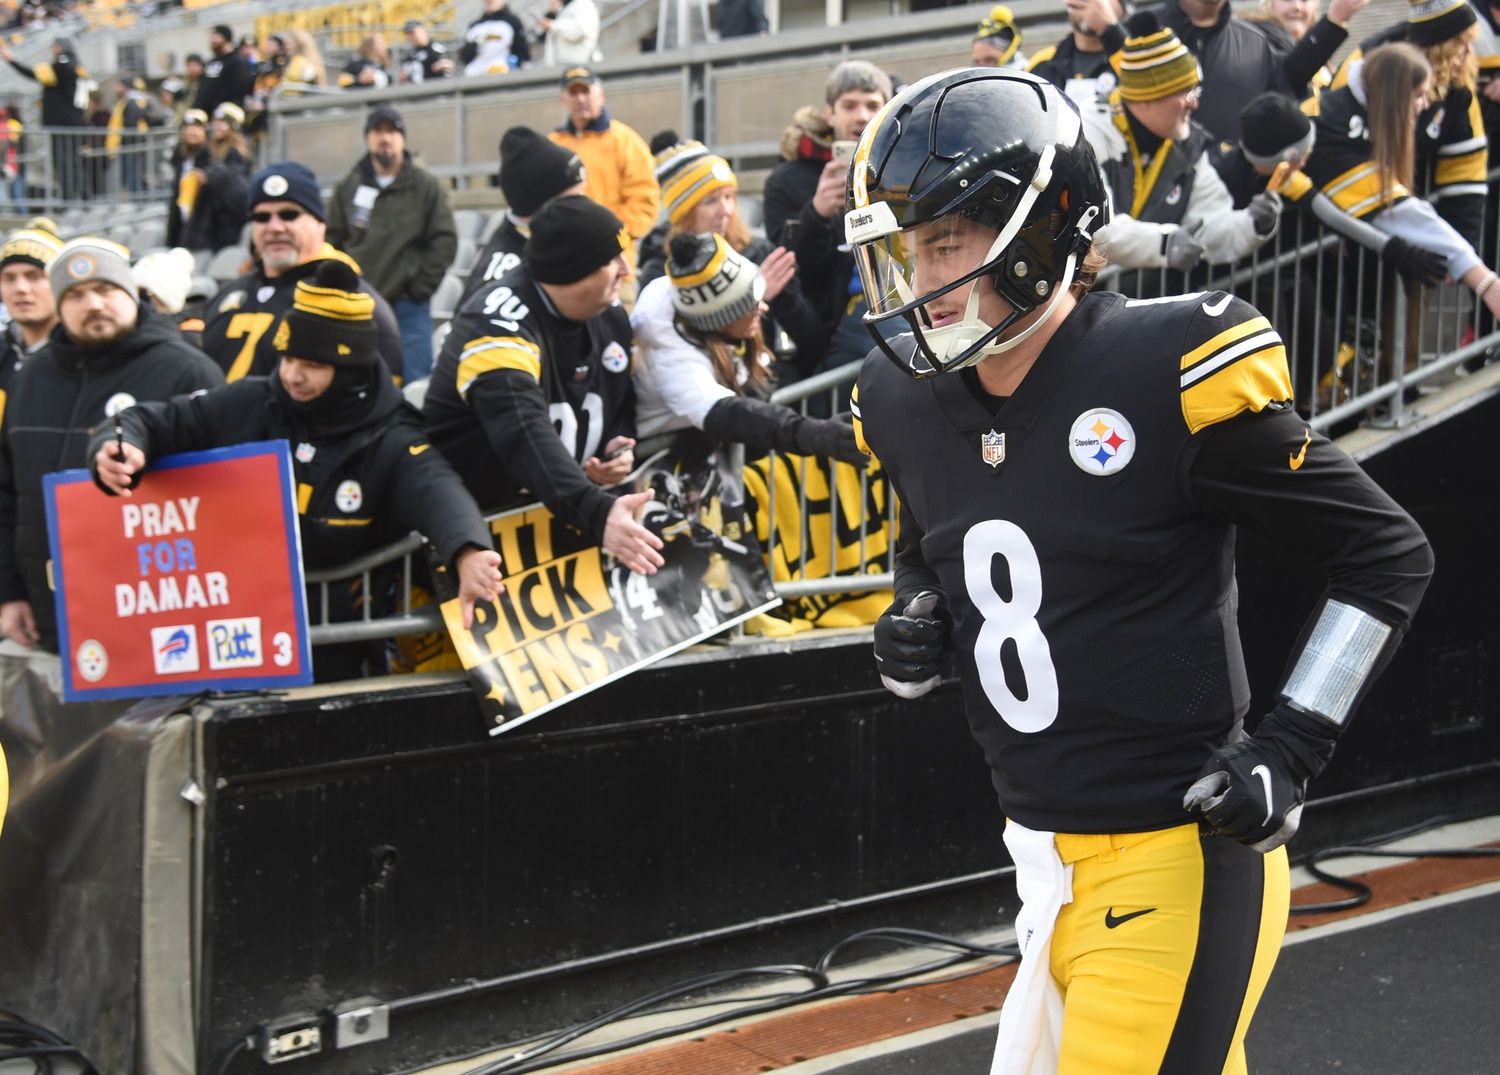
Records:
x=1359, y=345
x=65, y=168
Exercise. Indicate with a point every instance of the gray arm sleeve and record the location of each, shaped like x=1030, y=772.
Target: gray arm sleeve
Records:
x=1418, y=223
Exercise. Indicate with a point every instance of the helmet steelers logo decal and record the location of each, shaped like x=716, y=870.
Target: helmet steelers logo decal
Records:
x=92, y=660
x=118, y=402
x=1101, y=442
x=614, y=358
x=349, y=496
x=275, y=185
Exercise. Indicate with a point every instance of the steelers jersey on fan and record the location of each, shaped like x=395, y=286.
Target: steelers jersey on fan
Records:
x=510, y=352
x=1082, y=531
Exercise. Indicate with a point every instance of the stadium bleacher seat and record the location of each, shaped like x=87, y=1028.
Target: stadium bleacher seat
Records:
x=227, y=263
x=490, y=225
x=468, y=250
x=445, y=298
x=469, y=222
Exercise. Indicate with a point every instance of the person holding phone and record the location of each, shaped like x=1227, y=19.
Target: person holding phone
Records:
x=805, y=193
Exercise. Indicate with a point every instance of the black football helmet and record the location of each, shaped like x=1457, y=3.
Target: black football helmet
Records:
x=968, y=174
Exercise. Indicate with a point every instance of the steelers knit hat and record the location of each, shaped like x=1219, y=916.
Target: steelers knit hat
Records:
x=1000, y=31
x=331, y=320
x=37, y=243
x=534, y=168
x=1431, y=22
x=91, y=258
x=688, y=173
x=1154, y=63
x=712, y=285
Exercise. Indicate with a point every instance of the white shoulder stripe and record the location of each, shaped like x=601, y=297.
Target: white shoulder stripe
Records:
x=1268, y=338
x=1194, y=297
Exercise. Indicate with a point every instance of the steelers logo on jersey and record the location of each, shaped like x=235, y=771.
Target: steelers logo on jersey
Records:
x=349, y=496
x=614, y=358
x=1101, y=442
x=120, y=401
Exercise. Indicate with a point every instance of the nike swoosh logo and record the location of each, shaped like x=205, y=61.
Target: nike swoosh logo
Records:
x=1295, y=461
x=1214, y=309
x=1111, y=920
x=1265, y=781
x=418, y=449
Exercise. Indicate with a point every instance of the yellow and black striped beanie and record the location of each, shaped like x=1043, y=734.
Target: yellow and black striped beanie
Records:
x=1431, y=22
x=331, y=320
x=999, y=30
x=38, y=243
x=688, y=173
x=1154, y=62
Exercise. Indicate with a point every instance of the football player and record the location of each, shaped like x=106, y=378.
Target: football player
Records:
x=1072, y=467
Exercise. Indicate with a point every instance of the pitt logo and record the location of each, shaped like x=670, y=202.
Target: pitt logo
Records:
x=234, y=643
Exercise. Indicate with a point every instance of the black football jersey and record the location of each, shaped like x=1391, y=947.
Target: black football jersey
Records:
x=521, y=396
x=1082, y=532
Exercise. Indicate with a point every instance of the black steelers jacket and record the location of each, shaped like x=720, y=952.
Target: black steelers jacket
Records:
x=521, y=396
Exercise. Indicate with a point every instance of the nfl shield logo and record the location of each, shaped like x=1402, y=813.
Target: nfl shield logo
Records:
x=992, y=448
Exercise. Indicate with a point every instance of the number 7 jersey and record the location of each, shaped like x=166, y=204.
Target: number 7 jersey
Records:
x=1083, y=536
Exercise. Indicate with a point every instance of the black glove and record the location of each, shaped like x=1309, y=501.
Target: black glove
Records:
x=1416, y=264
x=831, y=438
x=1265, y=213
x=909, y=644
x=1253, y=790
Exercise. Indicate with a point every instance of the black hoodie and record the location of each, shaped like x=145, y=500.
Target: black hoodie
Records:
x=365, y=475
x=57, y=400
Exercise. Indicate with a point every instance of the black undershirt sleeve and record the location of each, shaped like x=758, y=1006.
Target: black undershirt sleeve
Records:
x=1271, y=474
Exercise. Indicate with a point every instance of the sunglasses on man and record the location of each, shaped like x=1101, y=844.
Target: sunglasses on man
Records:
x=264, y=216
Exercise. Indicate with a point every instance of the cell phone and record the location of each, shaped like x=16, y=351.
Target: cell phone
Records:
x=843, y=149
x=615, y=453
x=791, y=232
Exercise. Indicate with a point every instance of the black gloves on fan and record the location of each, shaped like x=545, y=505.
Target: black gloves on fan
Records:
x=1416, y=264
x=1253, y=790
x=909, y=643
x=763, y=426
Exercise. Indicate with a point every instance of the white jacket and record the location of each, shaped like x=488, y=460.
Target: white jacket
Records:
x=1225, y=233
x=574, y=37
x=675, y=385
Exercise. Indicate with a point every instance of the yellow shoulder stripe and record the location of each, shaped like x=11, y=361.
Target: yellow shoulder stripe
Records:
x=1041, y=56
x=1357, y=191
x=489, y=353
x=859, y=423
x=1242, y=368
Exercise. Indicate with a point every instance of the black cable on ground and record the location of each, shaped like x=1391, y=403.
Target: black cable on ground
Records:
x=240, y=1046
x=21, y=1039
x=534, y=1057
x=1362, y=892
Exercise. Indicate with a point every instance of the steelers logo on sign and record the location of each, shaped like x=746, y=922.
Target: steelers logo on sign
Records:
x=118, y=402
x=1101, y=442
x=92, y=661
x=349, y=496
x=275, y=185
x=614, y=358
x=81, y=267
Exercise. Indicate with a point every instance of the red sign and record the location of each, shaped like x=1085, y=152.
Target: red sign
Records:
x=193, y=583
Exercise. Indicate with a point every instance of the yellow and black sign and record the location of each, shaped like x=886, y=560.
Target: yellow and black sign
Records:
x=571, y=619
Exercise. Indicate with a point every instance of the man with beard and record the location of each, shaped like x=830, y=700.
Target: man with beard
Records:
x=27, y=296
x=392, y=216
x=1080, y=64
x=108, y=353
x=287, y=235
x=363, y=472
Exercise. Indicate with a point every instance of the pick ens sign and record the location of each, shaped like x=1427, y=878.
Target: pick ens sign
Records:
x=194, y=583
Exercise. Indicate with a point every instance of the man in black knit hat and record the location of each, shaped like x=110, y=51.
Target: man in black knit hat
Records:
x=532, y=170
x=532, y=398
x=363, y=474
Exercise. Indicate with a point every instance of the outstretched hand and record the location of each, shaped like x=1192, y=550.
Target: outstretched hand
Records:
x=117, y=466
x=627, y=540
x=479, y=576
